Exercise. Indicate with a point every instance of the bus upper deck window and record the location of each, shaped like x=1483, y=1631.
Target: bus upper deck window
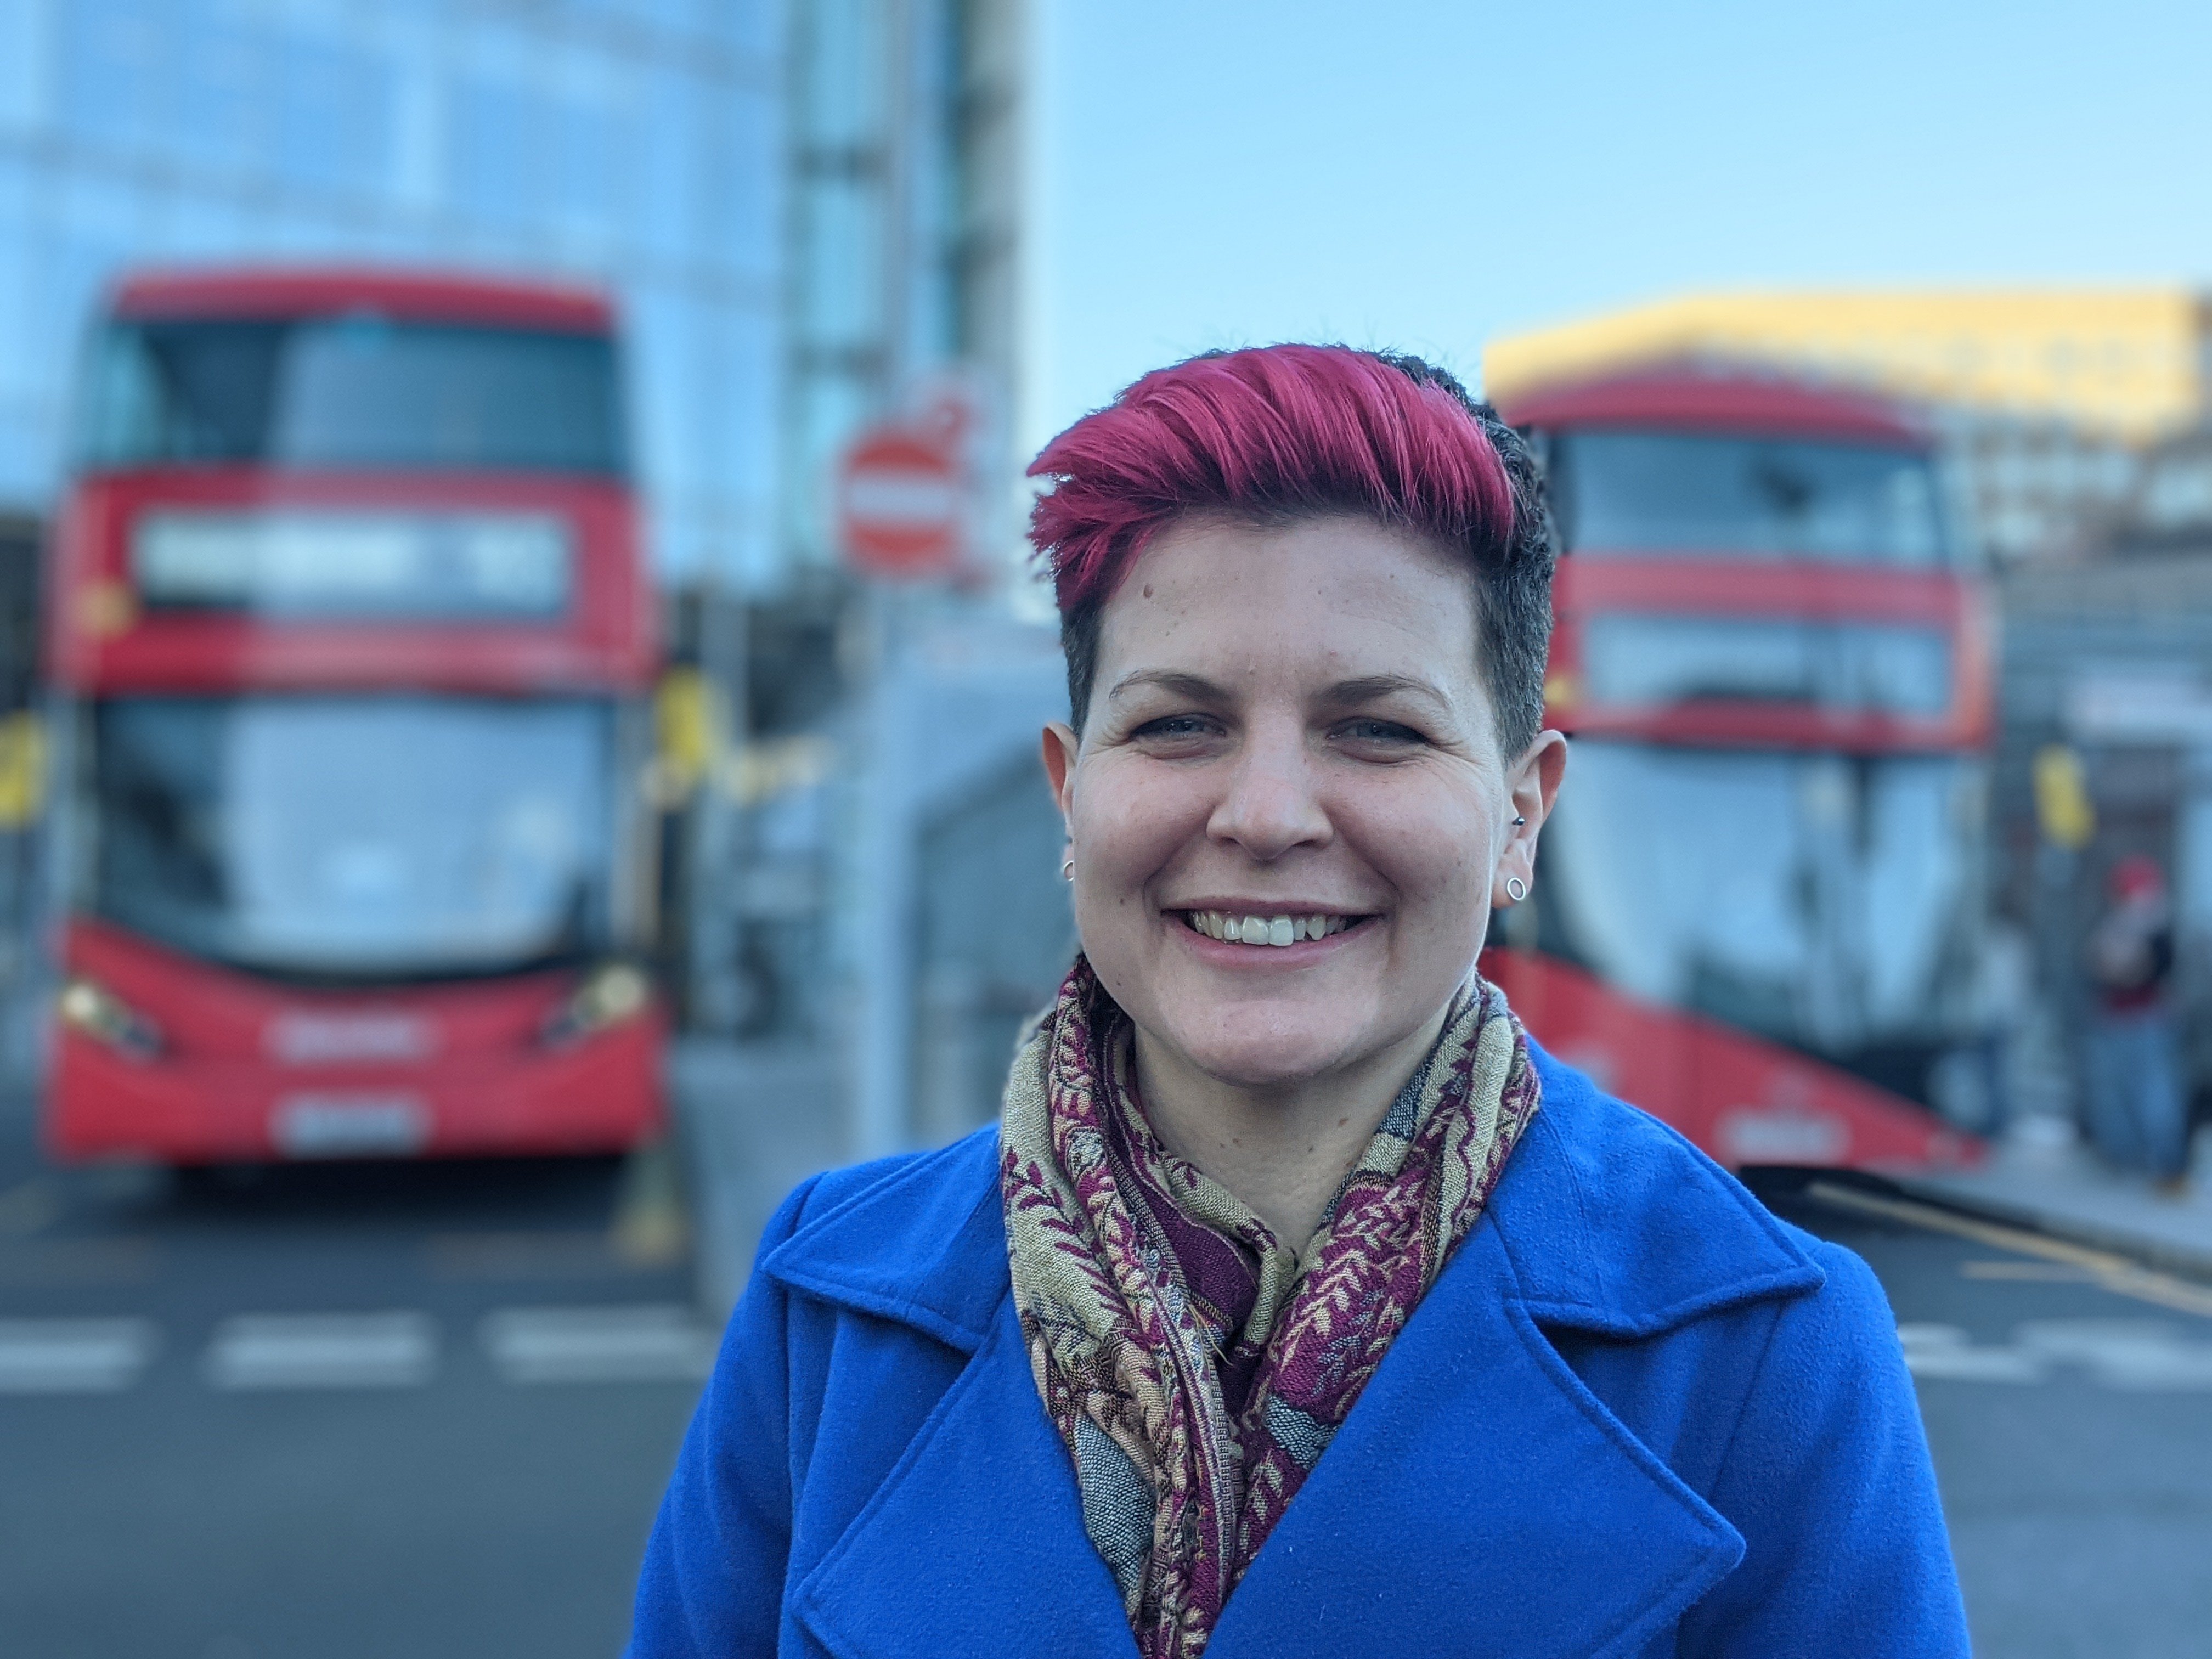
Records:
x=1698, y=494
x=355, y=391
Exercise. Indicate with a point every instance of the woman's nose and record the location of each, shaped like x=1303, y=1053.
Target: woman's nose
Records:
x=1271, y=802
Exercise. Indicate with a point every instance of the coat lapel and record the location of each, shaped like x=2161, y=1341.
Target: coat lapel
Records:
x=975, y=1543
x=1478, y=1500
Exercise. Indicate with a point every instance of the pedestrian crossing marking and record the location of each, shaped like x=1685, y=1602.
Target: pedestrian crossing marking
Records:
x=74, y=1356
x=1946, y=1352
x=2143, y=1356
x=395, y=1350
x=652, y=1342
x=632, y=1344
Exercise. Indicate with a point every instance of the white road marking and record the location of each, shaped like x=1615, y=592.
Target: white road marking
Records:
x=647, y=1343
x=2143, y=1355
x=74, y=1356
x=1945, y=1352
x=396, y=1350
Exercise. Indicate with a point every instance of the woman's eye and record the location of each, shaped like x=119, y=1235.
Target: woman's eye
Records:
x=1388, y=733
x=1171, y=728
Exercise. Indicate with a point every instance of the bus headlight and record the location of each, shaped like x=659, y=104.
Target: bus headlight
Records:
x=87, y=1006
x=609, y=995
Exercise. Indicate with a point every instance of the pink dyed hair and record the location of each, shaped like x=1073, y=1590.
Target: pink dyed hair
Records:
x=1283, y=431
x=1287, y=432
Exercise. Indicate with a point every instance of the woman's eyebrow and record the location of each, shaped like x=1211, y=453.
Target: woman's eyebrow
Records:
x=1196, y=687
x=1375, y=687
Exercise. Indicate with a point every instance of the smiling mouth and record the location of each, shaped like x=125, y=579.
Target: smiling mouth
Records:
x=1235, y=927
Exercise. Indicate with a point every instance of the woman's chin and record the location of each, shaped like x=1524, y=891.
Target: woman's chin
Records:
x=1269, y=1058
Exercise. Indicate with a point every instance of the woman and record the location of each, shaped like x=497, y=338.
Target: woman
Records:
x=2138, y=1109
x=1299, y=1303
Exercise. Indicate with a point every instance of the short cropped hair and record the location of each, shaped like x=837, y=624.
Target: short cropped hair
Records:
x=1284, y=433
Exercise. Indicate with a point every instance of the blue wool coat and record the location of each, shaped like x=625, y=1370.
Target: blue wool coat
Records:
x=1635, y=1415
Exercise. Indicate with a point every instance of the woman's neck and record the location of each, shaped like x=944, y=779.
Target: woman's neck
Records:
x=1283, y=1150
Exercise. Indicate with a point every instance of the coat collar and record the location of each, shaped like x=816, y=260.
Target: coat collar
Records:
x=1614, y=1223
x=920, y=1240
x=1477, y=1485
x=1617, y=1225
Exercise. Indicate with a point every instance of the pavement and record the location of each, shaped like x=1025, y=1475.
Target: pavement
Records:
x=753, y=1120
x=2041, y=1176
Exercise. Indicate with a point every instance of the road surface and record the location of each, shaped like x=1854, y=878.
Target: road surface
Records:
x=342, y=1412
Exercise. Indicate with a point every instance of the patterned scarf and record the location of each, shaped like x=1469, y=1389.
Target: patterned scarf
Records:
x=1196, y=1368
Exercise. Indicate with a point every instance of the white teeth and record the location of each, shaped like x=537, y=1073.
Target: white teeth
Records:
x=1274, y=931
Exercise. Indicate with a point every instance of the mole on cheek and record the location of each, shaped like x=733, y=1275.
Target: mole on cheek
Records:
x=1148, y=590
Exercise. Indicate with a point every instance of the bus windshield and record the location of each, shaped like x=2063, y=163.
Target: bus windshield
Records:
x=1625, y=494
x=1830, y=906
x=332, y=836
x=351, y=391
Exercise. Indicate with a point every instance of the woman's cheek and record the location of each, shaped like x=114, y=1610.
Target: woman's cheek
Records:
x=1430, y=844
x=1141, y=820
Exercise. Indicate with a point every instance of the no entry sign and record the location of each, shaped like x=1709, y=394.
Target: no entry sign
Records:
x=902, y=504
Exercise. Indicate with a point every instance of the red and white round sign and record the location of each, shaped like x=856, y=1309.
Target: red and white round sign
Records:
x=900, y=504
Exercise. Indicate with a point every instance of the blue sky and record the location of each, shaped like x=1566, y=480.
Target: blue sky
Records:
x=1426, y=174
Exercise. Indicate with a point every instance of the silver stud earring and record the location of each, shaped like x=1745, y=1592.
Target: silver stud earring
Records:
x=1518, y=821
x=1515, y=889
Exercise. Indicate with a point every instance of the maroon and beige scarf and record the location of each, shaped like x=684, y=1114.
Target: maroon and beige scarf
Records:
x=1195, y=1367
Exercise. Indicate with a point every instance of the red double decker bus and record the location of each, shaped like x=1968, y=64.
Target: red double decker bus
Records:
x=1757, y=910
x=348, y=635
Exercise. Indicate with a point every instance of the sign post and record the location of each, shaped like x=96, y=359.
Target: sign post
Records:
x=908, y=518
x=904, y=494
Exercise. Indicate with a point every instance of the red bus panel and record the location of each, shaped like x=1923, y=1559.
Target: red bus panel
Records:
x=1742, y=1100
x=1588, y=590
x=103, y=639
x=245, y=1069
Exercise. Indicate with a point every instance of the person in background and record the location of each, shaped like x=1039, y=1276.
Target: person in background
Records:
x=2137, y=1110
x=1300, y=1304
x=2003, y=990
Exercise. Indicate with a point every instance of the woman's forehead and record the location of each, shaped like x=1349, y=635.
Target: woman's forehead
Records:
x=1328, y=596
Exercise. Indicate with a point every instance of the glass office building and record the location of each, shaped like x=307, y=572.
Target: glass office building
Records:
x=638, y=144
x=803, y=206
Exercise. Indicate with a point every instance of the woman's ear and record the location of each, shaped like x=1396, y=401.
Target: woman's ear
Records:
x=1059, y=745
x=1533, y=786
